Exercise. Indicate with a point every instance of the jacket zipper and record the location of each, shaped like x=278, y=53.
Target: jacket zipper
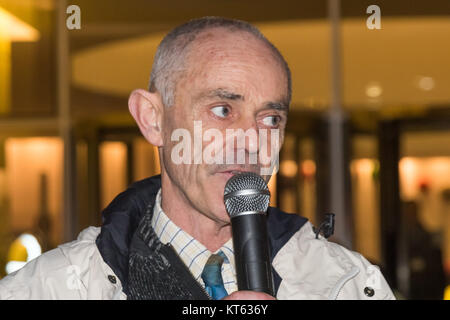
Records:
x=189, y=272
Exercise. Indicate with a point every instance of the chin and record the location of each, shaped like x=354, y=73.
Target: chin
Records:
x=218, y=207
x=213, y=189
x=224, y=217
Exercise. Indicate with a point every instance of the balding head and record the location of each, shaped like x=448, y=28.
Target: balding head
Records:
x=171, y=59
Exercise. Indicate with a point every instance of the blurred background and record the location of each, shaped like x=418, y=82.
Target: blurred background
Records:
x=368, y=136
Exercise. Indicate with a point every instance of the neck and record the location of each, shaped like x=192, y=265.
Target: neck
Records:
x=212, y=233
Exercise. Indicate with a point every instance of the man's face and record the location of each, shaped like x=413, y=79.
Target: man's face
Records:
x=232, y=82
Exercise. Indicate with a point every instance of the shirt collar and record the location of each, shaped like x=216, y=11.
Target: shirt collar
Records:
x=192, y=252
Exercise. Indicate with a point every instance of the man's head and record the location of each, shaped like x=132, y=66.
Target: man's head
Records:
x=211, y=77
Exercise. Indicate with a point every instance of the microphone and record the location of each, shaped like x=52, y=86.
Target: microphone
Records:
x=246, y=198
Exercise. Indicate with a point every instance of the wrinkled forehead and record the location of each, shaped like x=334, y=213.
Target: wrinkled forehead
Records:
x=220, y=43
x=222, y=58
x=217, y=53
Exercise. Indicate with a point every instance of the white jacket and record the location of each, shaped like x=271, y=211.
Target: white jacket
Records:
x=309, y=268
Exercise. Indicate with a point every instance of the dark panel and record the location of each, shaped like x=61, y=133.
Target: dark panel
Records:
x=388, y=135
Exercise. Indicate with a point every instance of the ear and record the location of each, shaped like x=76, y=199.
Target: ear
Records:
x=147, y=110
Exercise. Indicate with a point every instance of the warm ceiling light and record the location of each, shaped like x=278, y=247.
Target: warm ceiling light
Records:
x=373, y=90
x=426, y=83
x=38, y=4
x=14, y=29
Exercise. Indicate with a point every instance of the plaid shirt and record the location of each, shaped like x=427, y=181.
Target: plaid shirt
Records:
x=192, y=252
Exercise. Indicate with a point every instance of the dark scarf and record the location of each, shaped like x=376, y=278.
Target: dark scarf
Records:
x=155, y=270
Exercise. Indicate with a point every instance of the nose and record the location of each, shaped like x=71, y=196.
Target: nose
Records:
x=252, y=139
x=243, y=141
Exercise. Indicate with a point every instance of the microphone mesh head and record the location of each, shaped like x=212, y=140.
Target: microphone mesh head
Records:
x=258, y=201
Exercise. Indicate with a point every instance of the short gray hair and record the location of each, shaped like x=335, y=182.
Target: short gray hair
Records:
x=169, y=62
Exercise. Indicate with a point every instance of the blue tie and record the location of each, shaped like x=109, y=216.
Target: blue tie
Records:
x=212, y=276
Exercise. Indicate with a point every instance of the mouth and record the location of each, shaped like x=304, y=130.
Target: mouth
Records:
x=231, y=172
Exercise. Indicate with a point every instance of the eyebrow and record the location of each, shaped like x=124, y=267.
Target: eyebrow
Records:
x=227, y=95
x=224, y=94
x=281, y=106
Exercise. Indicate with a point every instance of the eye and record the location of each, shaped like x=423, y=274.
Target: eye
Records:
x=221, y=111
x=271, y=121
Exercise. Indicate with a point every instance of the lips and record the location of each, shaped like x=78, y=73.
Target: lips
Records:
x=235, y=171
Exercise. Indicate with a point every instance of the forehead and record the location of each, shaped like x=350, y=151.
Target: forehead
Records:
x=234, y=60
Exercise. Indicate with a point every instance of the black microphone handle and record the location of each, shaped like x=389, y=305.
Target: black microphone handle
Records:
x=251, y=251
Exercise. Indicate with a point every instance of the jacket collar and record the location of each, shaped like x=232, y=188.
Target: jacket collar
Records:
x=120, y=220
x=122, y=216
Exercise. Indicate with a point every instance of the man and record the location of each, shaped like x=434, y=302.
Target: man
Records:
x=158, y=236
